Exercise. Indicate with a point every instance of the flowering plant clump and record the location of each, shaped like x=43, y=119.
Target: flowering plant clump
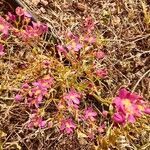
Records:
x=20, y=26
x=36, y=91
x=64, y=91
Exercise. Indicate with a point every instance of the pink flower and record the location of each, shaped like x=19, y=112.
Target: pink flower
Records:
x=25, y=86
x=29, y=30
x=72, y=97
x=128, y=106
x=27, y=20
x=48, y=81
x=44, y=83
x=90, y=39
x=90, y=114
x=61, y=105
x=67, y=126
x=18, y=97
x=10, y=17
x=39, y=28
x=46, y=63
x=1, y=50
x=35, y=101
x=100, y=55
x=20, y=11
x=104, y=113
x=126, y=100
x=89, y=24
x=90, y=134
x=74, y=45
x=102, y=73
x=101, y=128
x=77, y=47
x=39, y=90
x=4, y=26
x=61, y=49
x=34, y=31
x=36, y=121
x=70, y=35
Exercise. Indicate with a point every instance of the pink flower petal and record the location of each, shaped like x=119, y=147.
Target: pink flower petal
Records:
x=117, y=101
x=43, y=124
x=118, y=118
x=76, y=100
x=100, y=55
x=123, y=93
x=67, y=126
x=25, y=86
x=102, y=73
x=104, y=113
x=18, y=97
x=1, y=50
x=20, y=11
x=131, y=118
x=69, y=130
x=147, y=111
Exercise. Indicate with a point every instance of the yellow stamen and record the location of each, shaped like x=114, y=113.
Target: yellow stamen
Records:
x=1, y=27
x=127, y=103
x=141, y=108
x=68, y=125
x=38, y=92
x=128, y=106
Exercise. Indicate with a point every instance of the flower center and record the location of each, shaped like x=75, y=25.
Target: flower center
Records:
x=73, y=44
x=68, y=125
x=141, y=108
x=127, y=103
x=1, y=27
x=128, y=106
x=72, y=97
